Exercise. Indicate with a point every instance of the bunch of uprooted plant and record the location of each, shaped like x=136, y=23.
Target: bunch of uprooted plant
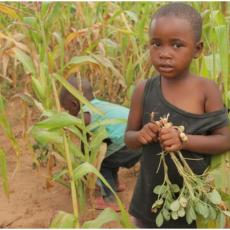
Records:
x=196, y=198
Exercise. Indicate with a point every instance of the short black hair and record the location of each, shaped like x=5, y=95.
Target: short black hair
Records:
x=184, y=11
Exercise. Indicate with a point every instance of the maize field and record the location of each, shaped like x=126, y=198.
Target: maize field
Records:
x=46, y=179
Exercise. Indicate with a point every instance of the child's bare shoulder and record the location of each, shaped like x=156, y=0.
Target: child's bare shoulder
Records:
x=212, y=94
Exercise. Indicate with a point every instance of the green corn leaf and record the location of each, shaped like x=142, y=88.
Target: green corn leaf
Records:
x=54, y=13
x=77, y=132
x=108, y=64
x=2, y=104
x=26, y=97
x=44, y=8
x=104, y=217
x=76, y=151
x=85, y=168
x=39, y=89
x=110, y=43
x=97, y=139
x=4, y=122
x=77, y=94
x=47, y=136
x=129, y=74
x=133, y=16
x=26, y=61
x=59, y=120
x=77, y=60
x=3, y=172
x=63, y=220
x=32, y=21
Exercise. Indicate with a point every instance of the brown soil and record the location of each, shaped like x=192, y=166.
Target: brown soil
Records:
x=32, y=204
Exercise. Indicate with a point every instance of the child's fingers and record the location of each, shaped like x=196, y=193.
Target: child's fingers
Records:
x=173, y=148
x=168, y=142
x=153, y=127
x=165, y=137
x=142, y=140
x=144, y=137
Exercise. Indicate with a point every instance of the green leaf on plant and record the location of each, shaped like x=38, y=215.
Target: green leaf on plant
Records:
x=175, y=205
x=190, y=215
x=214, y=197
x=63, y=220
x=202, y=209
x=175, y=188
x=159, y=220
x=212, y=213
x=104, y=217
x=159, y=189
x=220, y=220
x=166, y=214
x=59, y=120
x=3, y=172
x=181, y=212
x=174, y=215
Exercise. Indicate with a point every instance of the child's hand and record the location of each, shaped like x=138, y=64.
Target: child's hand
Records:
x=170, y=139
x=148, y=134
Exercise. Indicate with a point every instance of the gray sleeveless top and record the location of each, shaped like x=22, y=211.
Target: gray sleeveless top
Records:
x=195, y=124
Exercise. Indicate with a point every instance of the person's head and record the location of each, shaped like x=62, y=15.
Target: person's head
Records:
x=175, y=33
x=68, y=101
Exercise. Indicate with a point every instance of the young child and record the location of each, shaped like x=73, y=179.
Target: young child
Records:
x=117, y=153
x=192, y=101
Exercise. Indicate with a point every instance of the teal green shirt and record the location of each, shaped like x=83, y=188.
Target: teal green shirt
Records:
x=115, y=131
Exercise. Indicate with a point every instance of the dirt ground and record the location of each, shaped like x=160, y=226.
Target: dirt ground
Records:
x=31, y=203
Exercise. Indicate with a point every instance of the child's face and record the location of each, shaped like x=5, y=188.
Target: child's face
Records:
x=172, y=46
x=72, y=106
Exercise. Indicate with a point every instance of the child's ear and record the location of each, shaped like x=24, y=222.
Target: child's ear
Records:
x=198, y=49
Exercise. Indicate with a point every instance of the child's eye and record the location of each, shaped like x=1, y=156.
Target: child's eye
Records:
x=177, y=45
x=156, y=44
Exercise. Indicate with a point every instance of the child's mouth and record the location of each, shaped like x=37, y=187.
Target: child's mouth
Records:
x=165, y=68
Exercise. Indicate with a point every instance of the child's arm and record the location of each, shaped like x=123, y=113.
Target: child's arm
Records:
x=136, y=135
x=87, y=118
x=217, y=142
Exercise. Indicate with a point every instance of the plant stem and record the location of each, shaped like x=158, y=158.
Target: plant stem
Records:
x=181, y=172
x=72, y=182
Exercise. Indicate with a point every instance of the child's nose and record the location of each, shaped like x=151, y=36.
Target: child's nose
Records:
x=165, y=53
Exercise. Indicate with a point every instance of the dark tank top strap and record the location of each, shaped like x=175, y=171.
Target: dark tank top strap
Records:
x=154, y=101
x=211, y=121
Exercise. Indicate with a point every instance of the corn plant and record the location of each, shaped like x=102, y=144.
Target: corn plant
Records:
x=5, y=124
x=3, y=172
x=54, y=130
